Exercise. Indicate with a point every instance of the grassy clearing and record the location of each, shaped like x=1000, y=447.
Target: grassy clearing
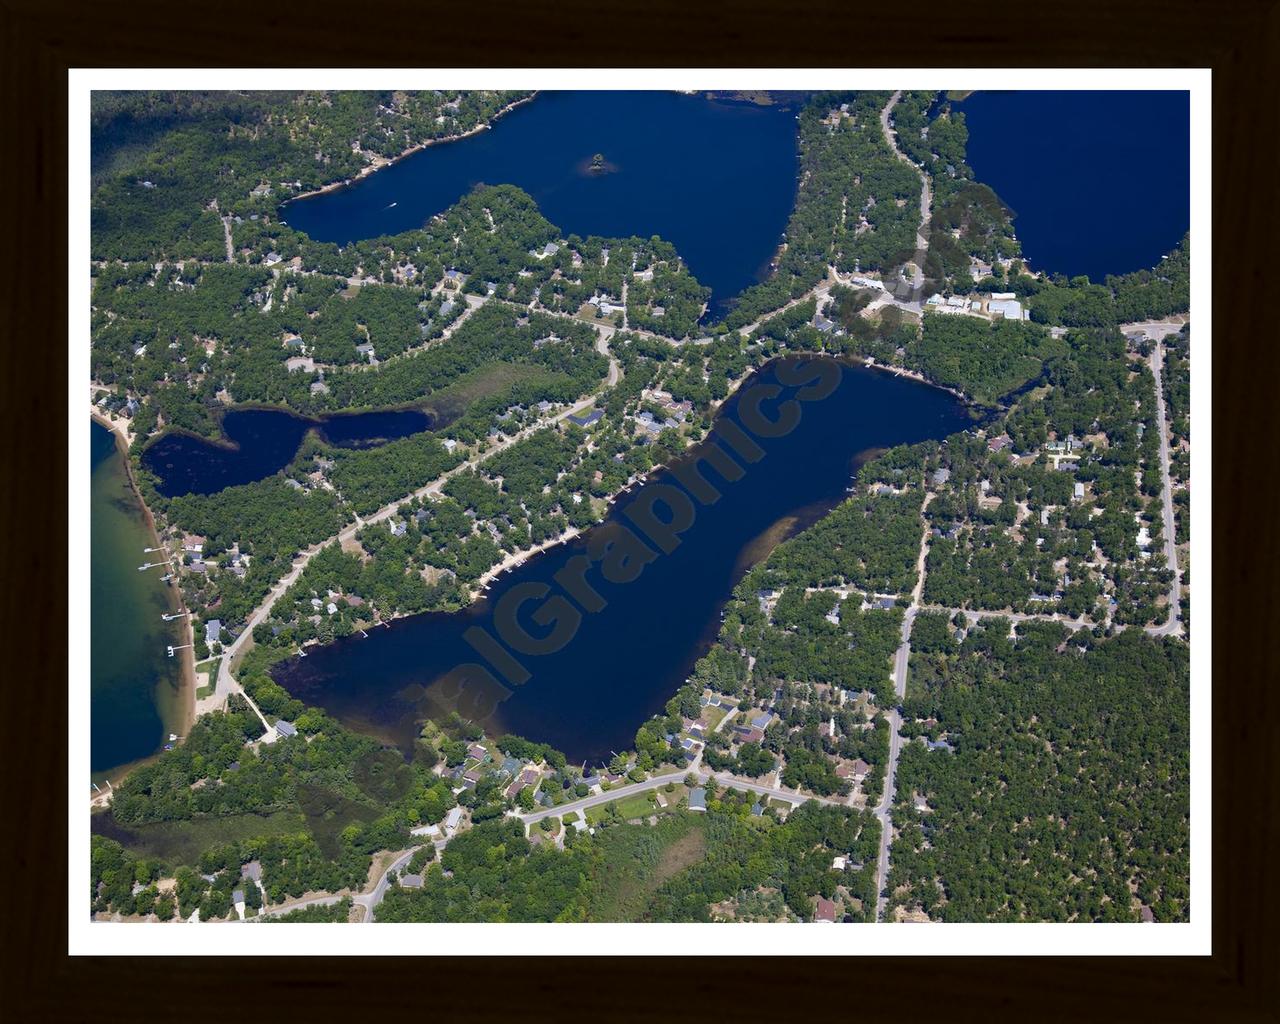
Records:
x=182, y=842
x=637, y=859
x=450, y=402
x=641, y=805
x=714, y=716
x=328, y=813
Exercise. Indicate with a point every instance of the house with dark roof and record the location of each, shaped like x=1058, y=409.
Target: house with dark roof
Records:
x=284, y=728
x=824, y=910
x=509, y=766
x=587, y=419
x=698, y=799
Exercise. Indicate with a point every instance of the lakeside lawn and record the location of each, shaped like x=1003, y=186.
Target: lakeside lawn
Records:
x=640, y=805
x=715, y=716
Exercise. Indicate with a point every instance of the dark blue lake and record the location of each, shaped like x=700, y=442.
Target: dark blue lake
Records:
x=261, y=443
x=717, y=179
x=1099, y=181
x=625, y=661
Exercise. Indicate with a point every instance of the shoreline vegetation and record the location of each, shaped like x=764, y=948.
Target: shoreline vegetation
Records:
x=377, y=163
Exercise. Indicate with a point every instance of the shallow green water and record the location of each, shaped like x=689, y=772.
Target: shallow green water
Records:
x=134, y=685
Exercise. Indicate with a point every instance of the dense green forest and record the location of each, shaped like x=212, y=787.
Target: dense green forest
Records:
x=987, y=360
x=1141, y=295
x=1066, y=796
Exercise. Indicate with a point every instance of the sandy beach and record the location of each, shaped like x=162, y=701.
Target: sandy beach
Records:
x=518, y=558
x=187, y=693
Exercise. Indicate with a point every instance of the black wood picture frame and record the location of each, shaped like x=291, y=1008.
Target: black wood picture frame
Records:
x=1238, y=39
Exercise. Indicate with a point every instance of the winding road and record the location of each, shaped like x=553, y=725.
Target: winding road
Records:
x=926, y=199
x=1172, y=627
x=901, y=659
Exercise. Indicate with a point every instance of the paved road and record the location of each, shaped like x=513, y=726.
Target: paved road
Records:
x=1157, y=329
x=617, y=793
x=926, y=198
x=367, y=900
x=473, y=302
x=1172, y=627
x=371, y=899
x=901, y=659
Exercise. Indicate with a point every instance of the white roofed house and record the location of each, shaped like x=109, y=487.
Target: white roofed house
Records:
x=1005, y=304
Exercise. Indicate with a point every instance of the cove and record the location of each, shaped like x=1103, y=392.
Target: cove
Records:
x=261, y=443
x=717, y=179
x=1099, y=181
x=626, y=660
x=135, y=688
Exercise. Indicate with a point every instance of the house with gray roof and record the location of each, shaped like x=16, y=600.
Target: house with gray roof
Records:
x=587, y=419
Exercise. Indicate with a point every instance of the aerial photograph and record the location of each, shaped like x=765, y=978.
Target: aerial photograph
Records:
x=637, y=506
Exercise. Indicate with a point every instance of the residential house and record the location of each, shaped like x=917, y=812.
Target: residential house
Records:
x=587, y=419
x=509, y=766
